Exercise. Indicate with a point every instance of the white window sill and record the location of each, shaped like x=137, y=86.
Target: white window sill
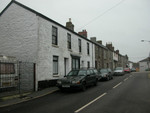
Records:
x=55, y=46
x=55, y=75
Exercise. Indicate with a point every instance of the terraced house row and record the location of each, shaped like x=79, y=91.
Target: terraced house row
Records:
x=30, y=36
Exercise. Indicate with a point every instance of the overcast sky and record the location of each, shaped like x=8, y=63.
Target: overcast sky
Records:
x=123, y=22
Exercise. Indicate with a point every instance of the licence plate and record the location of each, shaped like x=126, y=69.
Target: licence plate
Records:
x=66, y=86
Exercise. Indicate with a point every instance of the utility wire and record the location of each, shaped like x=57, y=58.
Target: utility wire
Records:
x=102, y=14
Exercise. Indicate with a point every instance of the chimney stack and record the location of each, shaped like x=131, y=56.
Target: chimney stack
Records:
x=69, y=25
x=117, y=51
x=109, y=46
x=93, y=39
x=99, y=41
x=83, y=33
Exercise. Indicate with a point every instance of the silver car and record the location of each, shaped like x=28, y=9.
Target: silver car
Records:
x=119, y=71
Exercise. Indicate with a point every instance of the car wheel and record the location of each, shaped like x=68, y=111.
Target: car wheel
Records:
x=95, y=83
x=83, y=88
x=107, y=78
x=61, y=89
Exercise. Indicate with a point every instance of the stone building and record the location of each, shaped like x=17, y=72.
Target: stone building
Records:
x=110, y=55
x=101, y=54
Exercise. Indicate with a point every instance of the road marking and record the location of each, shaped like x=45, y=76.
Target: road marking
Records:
x=117, y=85
x=90, y=103
x=126, y=79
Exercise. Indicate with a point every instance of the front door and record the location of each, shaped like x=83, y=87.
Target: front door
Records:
x=66, y=66
x=75, y=63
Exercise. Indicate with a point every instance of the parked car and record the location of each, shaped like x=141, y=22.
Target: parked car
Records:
x=133, y=69
x=106, y=74
x=119, y=71
x=78, y=79
x=111, y=72
x=148, y=69
x=127, y=70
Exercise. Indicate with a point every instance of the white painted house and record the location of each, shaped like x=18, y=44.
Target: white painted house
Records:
x=32, y=37
x=144, y=64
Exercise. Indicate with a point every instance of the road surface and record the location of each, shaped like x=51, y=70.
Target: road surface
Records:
x=124, y=94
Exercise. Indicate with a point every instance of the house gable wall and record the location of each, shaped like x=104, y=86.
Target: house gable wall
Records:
x=18, y=33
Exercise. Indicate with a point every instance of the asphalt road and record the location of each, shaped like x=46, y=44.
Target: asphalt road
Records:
x=124, y=94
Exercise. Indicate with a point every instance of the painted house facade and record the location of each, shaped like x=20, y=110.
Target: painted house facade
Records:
x=144, y=64
x=32, y=37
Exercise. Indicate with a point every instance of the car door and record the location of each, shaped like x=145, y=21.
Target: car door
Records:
x=93, y=76
x=89, y=77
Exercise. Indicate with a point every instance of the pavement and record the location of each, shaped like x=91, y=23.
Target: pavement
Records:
x=16, y=99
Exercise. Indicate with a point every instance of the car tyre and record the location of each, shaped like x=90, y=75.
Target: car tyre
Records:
x=107, y=78
x=95, y=83
x=83, y=88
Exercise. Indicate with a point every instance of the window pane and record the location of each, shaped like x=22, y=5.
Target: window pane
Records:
x=55, y=65
x=54, y=35
x=77, y=64
x=73, y=64
x=69, y=41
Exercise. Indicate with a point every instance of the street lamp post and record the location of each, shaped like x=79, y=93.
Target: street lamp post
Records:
x=145, y=41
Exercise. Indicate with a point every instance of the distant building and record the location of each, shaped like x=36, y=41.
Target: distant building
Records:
x=110, y=55
x=144, y=64
x=101, y=54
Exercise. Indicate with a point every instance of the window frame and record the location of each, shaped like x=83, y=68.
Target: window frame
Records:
x=80, y=45
x=88, y=64
x=88, y=48
x=55, y=61
x=69, y=41
x=54, y=35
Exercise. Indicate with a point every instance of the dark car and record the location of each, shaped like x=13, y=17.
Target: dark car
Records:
x=78, y=79
x=106, y=74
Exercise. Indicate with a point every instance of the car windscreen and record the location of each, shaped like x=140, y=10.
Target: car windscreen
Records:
x=103, y=71
x=119, y=68
x=77, y=73
x=82, y=73
x=73, y=73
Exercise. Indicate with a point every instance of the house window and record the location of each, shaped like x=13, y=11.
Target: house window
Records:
x=96, y=64
x=88, y=48
x=69, y=40
x=54, y=35
x=88, y=64
x=55, y=65
x=79, y=41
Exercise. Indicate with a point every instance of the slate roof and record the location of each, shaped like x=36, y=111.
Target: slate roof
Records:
x=145, y=60
x=48, y=19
